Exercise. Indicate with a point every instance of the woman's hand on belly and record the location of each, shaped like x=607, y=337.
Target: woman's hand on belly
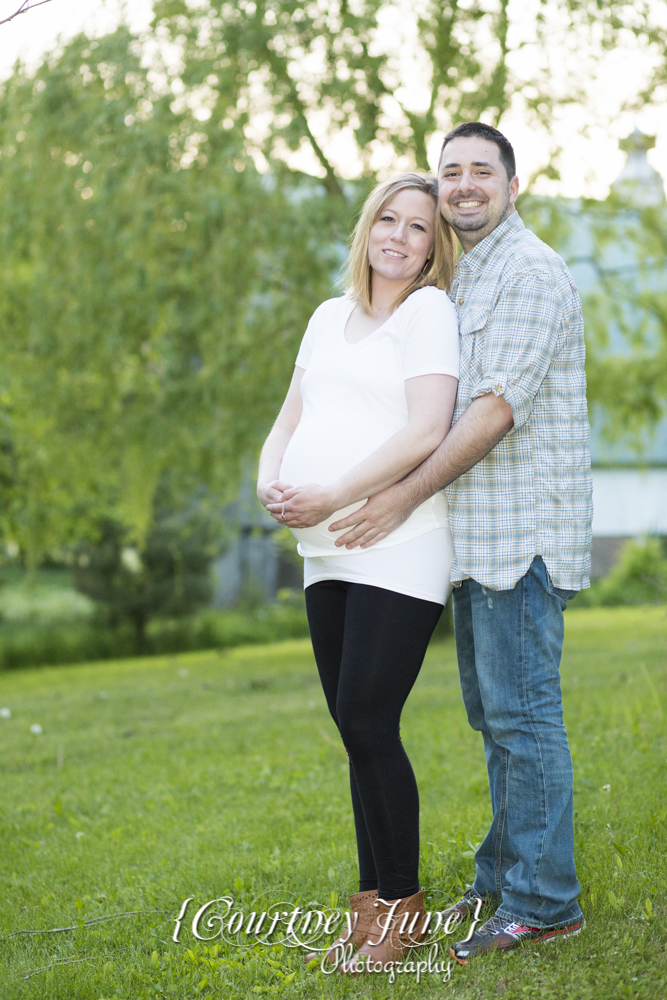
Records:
x=272, y=492
x=304, y=506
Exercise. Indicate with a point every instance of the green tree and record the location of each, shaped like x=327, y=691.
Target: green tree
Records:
x=161, y=252
x=344, y=68
x=153, y=291
x=627, y=317
x=334, y=76
x=169, y=577
x=623, y=243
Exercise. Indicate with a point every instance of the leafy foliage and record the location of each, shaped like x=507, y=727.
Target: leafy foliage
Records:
x=69, y=641
x=624, y=245
x=171, y=577
x=162, y=252
x=149, y=313
x=639, y=577
x=629, y=378
x=338, y=78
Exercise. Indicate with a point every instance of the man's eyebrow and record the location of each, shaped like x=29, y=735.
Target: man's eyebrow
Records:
x=475, y=163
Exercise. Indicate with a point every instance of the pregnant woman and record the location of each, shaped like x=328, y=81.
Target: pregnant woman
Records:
x=372, y=396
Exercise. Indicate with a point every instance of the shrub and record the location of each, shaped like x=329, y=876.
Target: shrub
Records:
x=27, y=644
x=41, y=597
x=639, y=577
x=169, y=578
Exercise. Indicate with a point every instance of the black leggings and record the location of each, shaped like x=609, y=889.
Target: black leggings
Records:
x=369, y=645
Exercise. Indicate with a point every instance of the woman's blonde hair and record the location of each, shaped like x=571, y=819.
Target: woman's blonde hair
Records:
x=439, y=267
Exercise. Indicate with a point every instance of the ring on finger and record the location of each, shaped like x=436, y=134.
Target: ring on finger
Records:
x=283, y=511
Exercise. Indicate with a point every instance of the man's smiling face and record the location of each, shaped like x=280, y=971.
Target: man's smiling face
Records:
x=476, y=194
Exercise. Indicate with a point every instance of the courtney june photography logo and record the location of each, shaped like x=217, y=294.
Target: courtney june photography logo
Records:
x=313, y=927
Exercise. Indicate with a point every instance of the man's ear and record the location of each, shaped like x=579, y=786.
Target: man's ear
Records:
x=514, y=189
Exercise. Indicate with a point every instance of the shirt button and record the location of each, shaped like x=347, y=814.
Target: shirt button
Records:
x=498, y=389
x=461, y=301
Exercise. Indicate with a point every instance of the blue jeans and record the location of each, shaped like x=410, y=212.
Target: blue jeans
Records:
x=509, y=644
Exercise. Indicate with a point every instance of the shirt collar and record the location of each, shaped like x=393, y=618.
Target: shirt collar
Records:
x=479, y=256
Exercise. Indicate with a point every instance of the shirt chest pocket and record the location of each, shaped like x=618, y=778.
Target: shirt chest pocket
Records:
x=472, y=327
x=473, y=320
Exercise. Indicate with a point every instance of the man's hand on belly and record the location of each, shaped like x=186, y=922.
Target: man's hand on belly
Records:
x=304, y=506
x=379, y=516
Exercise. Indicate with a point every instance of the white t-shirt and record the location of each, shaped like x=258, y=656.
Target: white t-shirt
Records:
x=354, y=400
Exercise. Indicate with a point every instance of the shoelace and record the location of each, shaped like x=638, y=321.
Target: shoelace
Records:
x=470, y=896
x=494, y=925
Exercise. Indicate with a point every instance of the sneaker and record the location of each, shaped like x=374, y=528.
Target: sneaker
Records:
x=502, y=934
x=466, y=906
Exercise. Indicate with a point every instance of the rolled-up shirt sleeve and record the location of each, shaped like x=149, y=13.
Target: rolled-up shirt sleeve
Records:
x=519, y=342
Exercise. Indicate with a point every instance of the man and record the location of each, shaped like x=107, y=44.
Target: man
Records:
x=517, y=470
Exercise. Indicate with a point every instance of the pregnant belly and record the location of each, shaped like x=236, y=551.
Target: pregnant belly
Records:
x=323, y=451
x=310, y=459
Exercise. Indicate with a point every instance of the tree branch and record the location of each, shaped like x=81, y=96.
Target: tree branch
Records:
x=70, y=961
x=23, y=9
x=86, y=923
x=330, y=181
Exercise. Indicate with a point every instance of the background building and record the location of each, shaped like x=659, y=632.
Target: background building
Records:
x=629, y=476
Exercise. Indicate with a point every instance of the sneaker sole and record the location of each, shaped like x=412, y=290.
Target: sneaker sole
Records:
x=560, y=933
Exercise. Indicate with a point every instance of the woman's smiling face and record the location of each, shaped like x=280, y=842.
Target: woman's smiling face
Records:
x=402, y=236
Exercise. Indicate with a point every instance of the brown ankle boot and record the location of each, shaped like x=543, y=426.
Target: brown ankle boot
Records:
x=399, y=925
x=363, y=913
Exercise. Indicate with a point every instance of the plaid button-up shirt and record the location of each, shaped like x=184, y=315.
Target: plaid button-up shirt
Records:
x=522, y=337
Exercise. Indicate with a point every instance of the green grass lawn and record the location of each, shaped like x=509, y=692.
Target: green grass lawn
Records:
x=207, y=774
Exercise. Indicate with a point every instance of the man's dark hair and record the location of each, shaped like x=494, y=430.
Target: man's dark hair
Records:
x=490, y=133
